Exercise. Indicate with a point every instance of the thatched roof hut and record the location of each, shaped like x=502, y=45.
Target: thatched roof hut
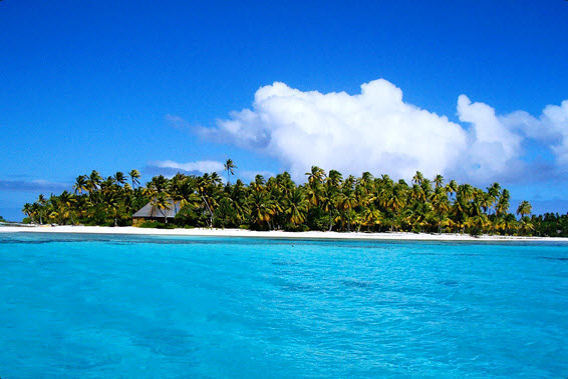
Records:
x=150, y=211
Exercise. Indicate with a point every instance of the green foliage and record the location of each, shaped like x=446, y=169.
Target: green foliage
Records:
x=156, y=225
x=327, y=201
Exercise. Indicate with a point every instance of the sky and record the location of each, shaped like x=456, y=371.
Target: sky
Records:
x=475, y=90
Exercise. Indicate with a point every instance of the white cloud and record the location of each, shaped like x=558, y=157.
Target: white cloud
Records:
x=377, y=131
x=374, y=130
x=492, y=148
x=200, y=166
x=551, y=128
x=555, y=118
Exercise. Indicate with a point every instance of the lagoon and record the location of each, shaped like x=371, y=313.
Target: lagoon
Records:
x=164, y=306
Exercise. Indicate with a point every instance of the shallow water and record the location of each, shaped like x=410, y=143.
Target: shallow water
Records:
x=100, y=306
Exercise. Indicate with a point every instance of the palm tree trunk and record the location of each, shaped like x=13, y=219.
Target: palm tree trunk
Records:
x=210, y=211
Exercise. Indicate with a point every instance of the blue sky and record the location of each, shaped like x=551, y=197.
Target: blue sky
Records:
x=120, y=85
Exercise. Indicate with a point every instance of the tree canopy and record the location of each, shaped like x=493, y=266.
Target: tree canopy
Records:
x=327, y=201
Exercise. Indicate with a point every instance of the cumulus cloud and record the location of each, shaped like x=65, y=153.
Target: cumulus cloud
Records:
x=198, y=167
x=374, y=130
x=377, y=131
x=492, y=147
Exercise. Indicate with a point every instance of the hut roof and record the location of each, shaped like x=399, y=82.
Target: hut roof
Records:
x=152, y=211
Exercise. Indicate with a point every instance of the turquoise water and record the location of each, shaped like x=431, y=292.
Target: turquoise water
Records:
x=107, y=306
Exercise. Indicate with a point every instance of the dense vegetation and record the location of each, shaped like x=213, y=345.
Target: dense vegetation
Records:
x=327, y=201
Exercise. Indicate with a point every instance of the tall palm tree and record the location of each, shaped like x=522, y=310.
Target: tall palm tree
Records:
x=502, y=207
x=230, y=167
x=206, y=190
x=493, y=194
x=113, y=204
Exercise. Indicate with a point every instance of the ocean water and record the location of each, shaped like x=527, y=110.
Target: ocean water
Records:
x=129, y=306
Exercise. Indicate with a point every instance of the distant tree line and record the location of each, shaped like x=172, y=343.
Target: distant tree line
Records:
x=327, y=201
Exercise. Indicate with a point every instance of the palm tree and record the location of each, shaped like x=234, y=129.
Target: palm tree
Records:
x=297, y=207
x=113, y=204
x=134, y=177
x=524, y=209
x=438, y=181
x=502, y=207
x=93, y=181
x=330, y=194
x=120, y=178
x=41, y=201
x=229, y=167
x=29, y=211
x=163, y=203
x=262, y=207
x=64, y=205
x=206, y=190
x=493, y=194
x=80, y=184
x=452, y=187
x=418, y=178
x=326, y=201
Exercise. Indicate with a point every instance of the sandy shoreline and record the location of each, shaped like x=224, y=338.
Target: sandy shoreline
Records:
x=270, y=234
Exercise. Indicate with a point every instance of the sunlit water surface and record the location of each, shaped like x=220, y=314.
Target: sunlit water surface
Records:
x=107, y=306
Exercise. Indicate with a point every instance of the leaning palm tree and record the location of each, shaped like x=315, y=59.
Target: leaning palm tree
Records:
x=29, y=211
x=206, y=187
x=229, y=167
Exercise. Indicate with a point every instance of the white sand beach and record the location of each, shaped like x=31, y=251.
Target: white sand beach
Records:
x=269, y=234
